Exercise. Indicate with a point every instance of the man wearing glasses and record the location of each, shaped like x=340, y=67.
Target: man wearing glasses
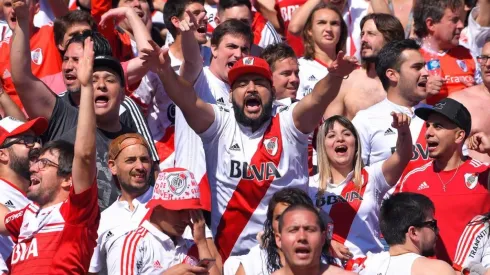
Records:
x=19, y=141
x=408, y=226
x=477, y=100
x=458, y=185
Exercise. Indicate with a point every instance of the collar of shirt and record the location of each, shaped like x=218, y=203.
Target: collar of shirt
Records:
x=164, y=239
x=406, y=110
x=143, y=199
x=342, y=183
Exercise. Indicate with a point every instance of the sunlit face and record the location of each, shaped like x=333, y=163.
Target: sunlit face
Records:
x=9, y=13
x=108, y=93
x=45, y=183
x=340, y=146
x=443, y=137
x=241, y=13
x=372, y=41
x=230, y=49
x=197, y=9
x=74, y=29
x=301, y=239
x=485, y=64
x=280, y=207
x=171, y=221
x=285, y=78
x=141, y=8
x=413, y=76
x=69, y=67
x=325, y=29
x=448, y=30
x=132, y=168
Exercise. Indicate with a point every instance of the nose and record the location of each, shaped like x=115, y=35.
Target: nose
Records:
x=34, y=167
x=139, y=165
x=460, y=24
x=363, y=37
x=424, y=71
x=37, y=145
x=135, y=3
x=251, y=87
x=238, y=53
x=100, y=85
x=294, y=79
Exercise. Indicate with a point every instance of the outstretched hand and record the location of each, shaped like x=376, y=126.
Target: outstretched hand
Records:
x=155, y=58
x=86, y=63
x=401, y=122
x=189, y=23
x=343, y=65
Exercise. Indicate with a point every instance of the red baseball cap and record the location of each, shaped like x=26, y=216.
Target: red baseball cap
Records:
x=10, y=127
x=175, y=189
x=248, y=65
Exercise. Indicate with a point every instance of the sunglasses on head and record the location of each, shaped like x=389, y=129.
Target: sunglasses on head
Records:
x=28, y=141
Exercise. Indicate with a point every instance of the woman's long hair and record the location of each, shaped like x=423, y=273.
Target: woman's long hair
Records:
x=308, y=40
x=324, y=166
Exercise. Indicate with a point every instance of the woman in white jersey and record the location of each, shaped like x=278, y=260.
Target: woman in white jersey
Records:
x=265, y=258
x=324, y=36
x=350, y=193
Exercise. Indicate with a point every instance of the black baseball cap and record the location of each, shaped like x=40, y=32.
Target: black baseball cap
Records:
x=112, y=63
x=450, y=108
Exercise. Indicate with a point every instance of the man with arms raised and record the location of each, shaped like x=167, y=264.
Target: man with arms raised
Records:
x=301, y=237
x=410, y=229
x=262, y=150
x=363, y=88
x=477, y=99
x=56, y=234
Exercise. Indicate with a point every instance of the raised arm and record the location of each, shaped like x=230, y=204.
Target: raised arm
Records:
x=198, y=232
x=311, y=108
x=380, y=6
x=483, y=18
x=199, y=115
x=84, y=168
x=9, y=107
x=300, y=15
x=59, y=7
x=193, y=63
x=393, y=167
x=268, y=9
x=37, y=98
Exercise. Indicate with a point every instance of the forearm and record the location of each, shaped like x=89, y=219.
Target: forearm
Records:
x=396, y=163
x=193, y=63
x=140, y=32
x=267, y=9
x=205, y=253
x=380, y=6
x=20, y=55
x=135, y=70
x=10, y=108
x=84, y=168
x=59, y=7
x=483, y=18
x=300, y=16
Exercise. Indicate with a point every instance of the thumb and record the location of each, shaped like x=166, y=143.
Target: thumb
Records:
x=340, y=55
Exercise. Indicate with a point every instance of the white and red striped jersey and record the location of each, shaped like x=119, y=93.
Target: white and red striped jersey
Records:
x=115, y=222
x=59, y=239
x=252, y=166
x=189, y=152
x=474, y=35
x=353, y=13
x=264, y=32
x=384, y=263
x=474, y=244
x=458, y=196
x=211, y=12
x=5, y=31
x=14, y=199
x=354, y=210
x=148, y=250
x=310, y=72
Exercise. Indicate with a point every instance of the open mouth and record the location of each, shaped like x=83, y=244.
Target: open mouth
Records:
x=230, y=64
x=34, y=181
x=101, y=101
x=140, y=14
x=432, y=145
x=341, y=149
x=302, y=252
x=253, y=104
x=70, y=77
x=139, y=176
x=201, y=29
x=422, y=83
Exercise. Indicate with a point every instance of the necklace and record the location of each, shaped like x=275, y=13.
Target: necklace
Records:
x=444, y=184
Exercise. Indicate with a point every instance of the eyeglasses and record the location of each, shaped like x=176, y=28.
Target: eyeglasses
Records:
x=28, y=141
x=431, y=224
x=43, y=162
x=482, y=59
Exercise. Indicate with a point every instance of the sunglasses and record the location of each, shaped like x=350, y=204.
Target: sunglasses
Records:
x=28, y=141
x=482, y=59
x=432, y=224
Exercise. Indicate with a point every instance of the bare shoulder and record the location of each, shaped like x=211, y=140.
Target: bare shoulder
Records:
x=334, y=270
x=425, y=266
x=468, y=93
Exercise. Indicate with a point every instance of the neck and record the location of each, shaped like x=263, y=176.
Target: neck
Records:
x=297, y=270
x=176, y=48
x=17, y=180
x=214, y=69
x=486, y=87
x=371, y=70
x=394, y=95
x=451, y=163
x=129, y=197
x=339, y=173
x=401, y=249
x=325, y=55
x=432, y=44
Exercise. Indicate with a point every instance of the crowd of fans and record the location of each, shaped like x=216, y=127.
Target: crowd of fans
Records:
x=245, y=137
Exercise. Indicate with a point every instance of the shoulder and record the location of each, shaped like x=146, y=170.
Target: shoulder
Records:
x=432, y=266
x=466, y=93
x=334, y=270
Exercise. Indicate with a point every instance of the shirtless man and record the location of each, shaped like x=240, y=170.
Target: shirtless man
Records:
x=477, y=99
x=363, y=88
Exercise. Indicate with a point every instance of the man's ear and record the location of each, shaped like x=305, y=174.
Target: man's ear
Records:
x=176, y=22
x=112, y=166
x=393, y=75
x=217, y=20
x=430, y=24
x=67, y=182
x=278, y=240
x=4, y=155
x=460, y=136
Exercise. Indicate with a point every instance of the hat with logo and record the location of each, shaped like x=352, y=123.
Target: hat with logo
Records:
x=175, y=189
x=111, y=63
x=452, y=110
x=118, y=144
x=248, y=65
x=10, y=127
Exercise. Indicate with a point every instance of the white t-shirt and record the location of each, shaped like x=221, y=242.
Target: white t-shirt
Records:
x=473, y=36
x=474, y=245
x=255, y=262
x=45, y=15
x=383, y=263
x=252, y=166
x=310, y=72
x=354, y=210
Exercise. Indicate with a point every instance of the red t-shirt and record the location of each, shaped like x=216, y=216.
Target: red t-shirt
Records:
x=286, y=8
x=465, y=197
x=45, y=57
x=457, y=66
x=55, y=240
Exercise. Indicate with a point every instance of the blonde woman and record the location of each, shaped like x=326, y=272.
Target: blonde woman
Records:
x=351, y=193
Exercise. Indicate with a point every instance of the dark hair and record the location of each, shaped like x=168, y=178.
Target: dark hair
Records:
x=388, y=25
x=101, y=45
x=175, y=8
x=390, y=57
x=308, y=207
x=307, y=40
x=62, y=24
x=228, y=4
x=401, y=211
x=434, y=9
x=233, y=27
x=277, y=52
x=66, y=153
x=291, y=196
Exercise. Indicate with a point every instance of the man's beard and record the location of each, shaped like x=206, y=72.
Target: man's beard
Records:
x=134, y=190
x=255, y=124
x=19, y=165
x=428, y=252
x=74, y=90
x=369, y=59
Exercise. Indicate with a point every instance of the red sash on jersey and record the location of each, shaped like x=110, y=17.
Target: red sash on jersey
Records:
x=248, y=194
x=343, y=213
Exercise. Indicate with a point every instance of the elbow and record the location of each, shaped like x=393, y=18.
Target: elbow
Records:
x=294, y=30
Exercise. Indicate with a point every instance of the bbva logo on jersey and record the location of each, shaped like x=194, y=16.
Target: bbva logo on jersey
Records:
x=321, y=200
x=23, y=252
x=266, y=171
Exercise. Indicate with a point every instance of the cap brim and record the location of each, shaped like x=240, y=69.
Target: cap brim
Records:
x=242, y=70
x=175, y=204
x=37, y=125
x=424, y=112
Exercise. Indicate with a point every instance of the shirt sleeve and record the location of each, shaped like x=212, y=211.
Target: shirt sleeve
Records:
x=377, y=178
x=63, y=118
x=83, y=208
x=362, y=126
x=13, y=223
x=477, y=33
x=97, y=259
x=293, y=135
x=221, y=118
x=143, y=258
x=473, y=246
